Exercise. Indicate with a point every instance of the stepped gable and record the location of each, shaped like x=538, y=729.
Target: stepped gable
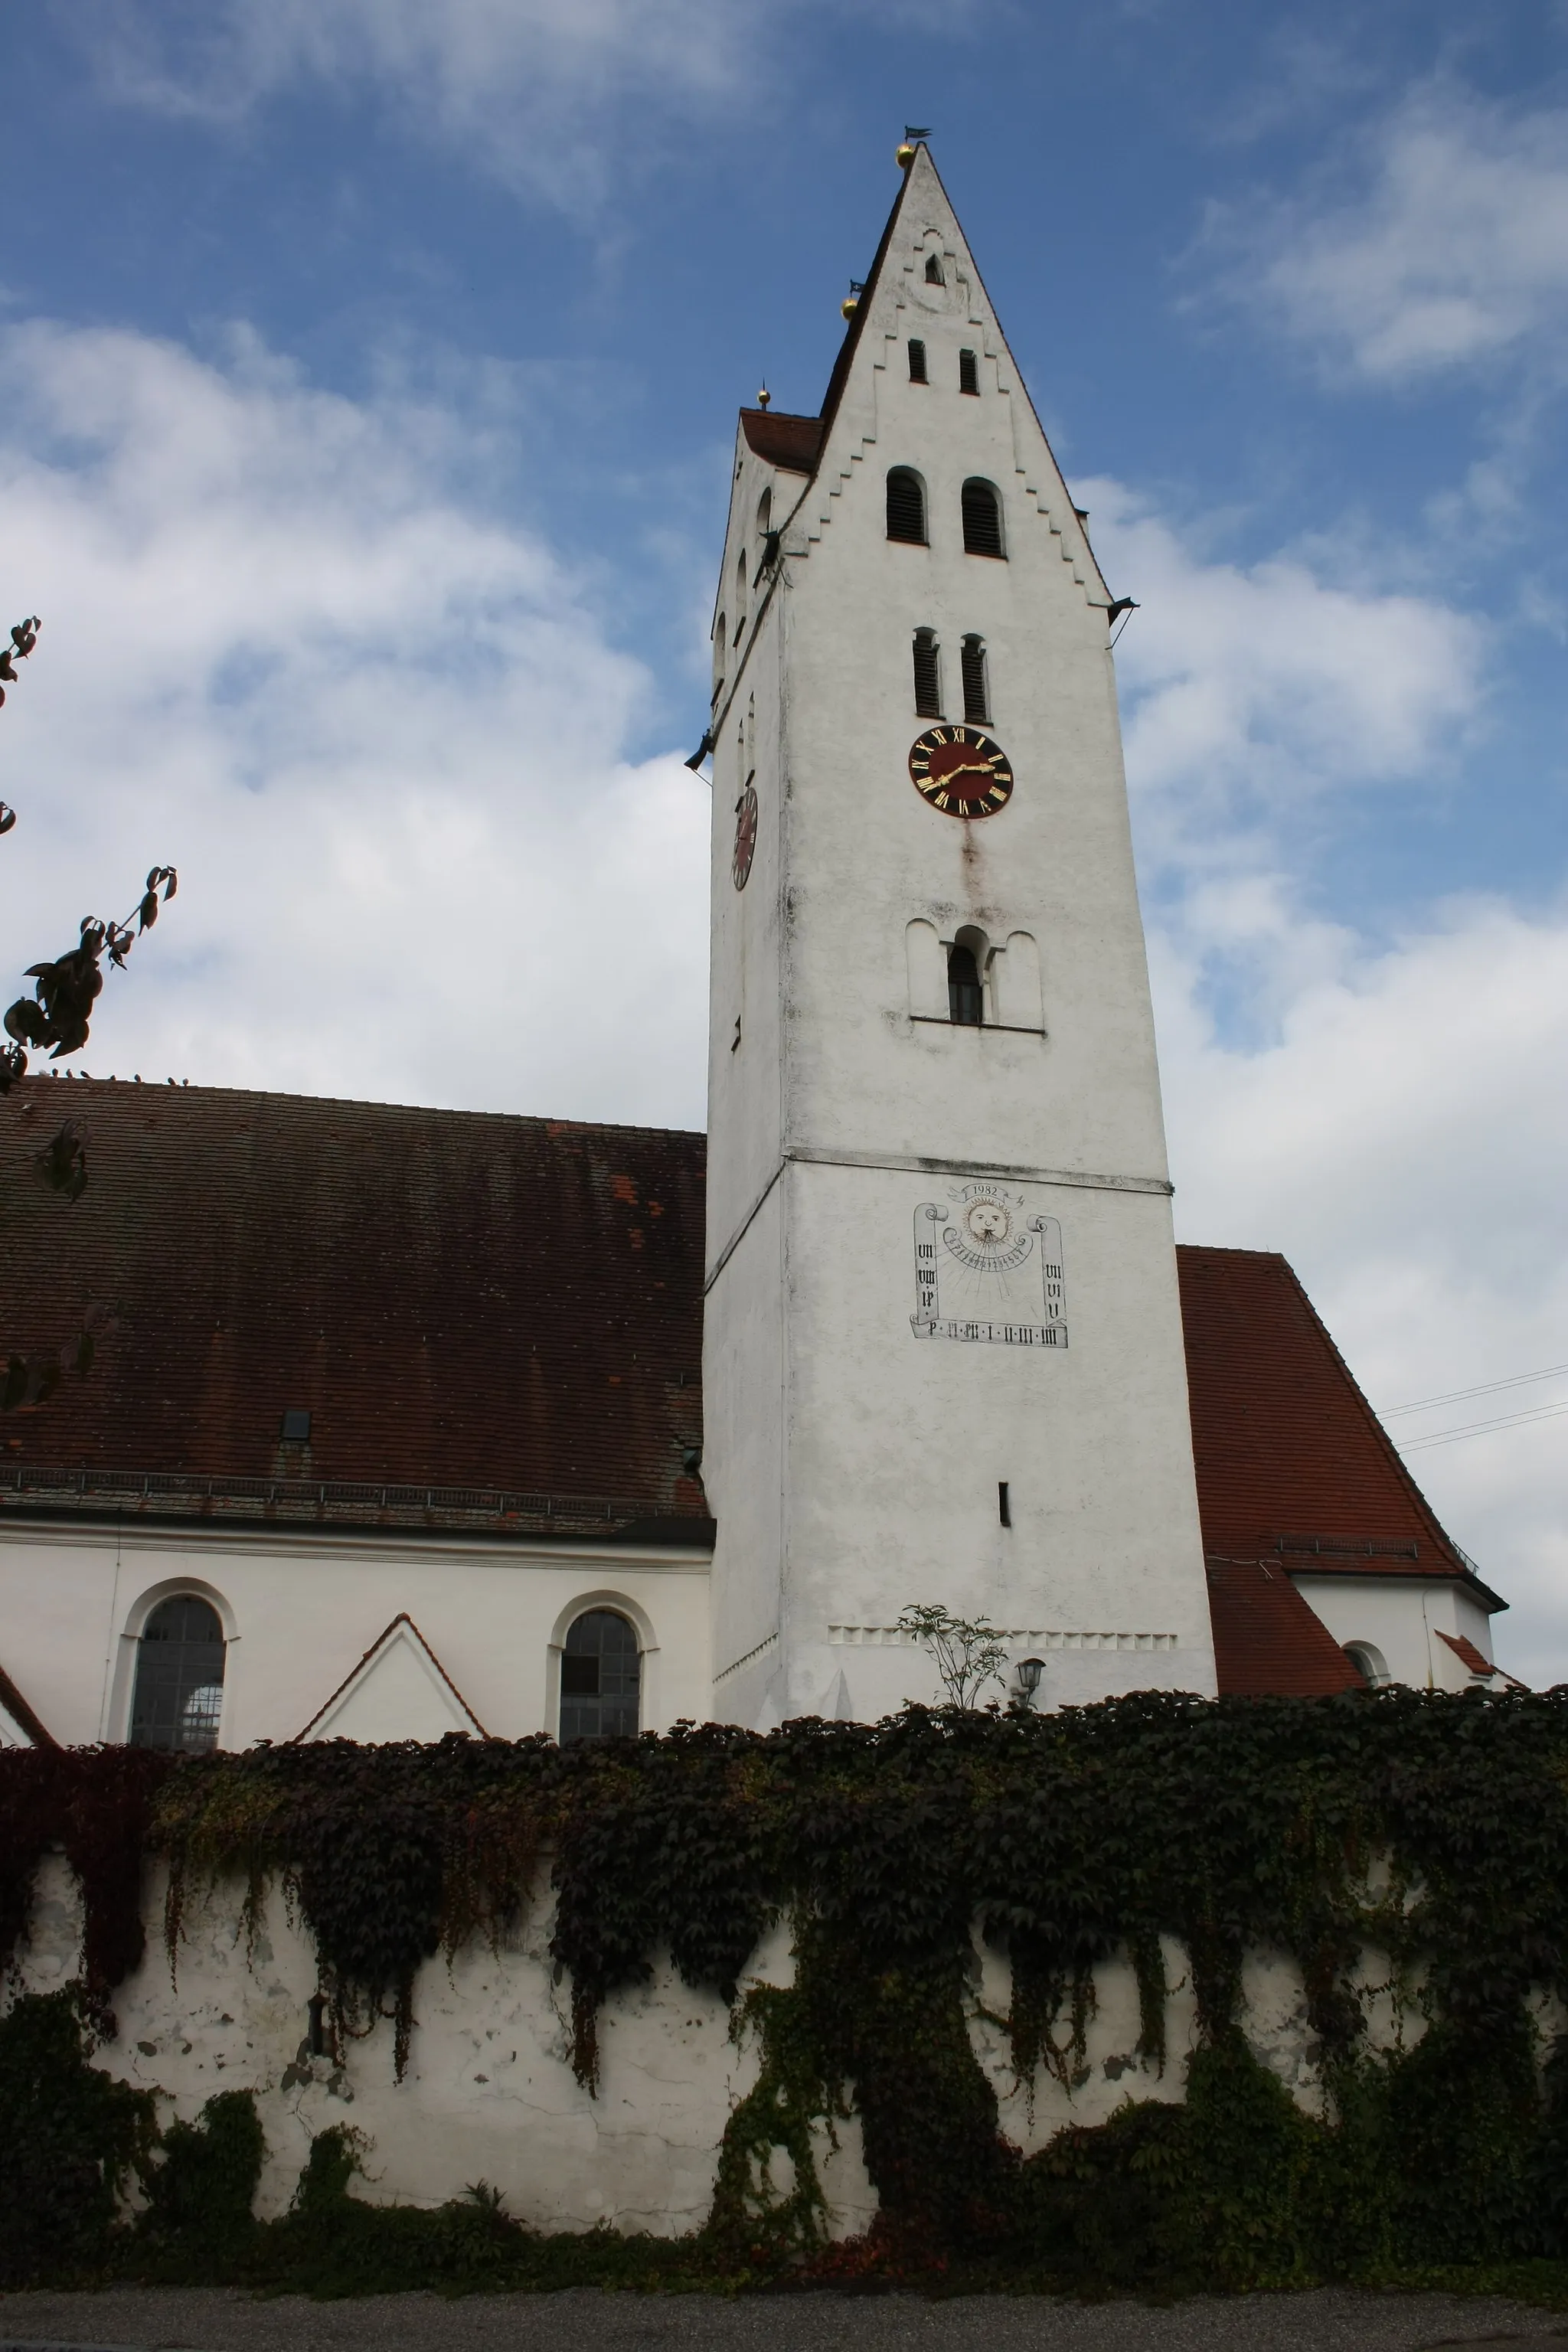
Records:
x=497, y=1317
x=1291, y=1461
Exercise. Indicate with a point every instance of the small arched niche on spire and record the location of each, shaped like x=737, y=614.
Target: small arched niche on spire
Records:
x=933, y=270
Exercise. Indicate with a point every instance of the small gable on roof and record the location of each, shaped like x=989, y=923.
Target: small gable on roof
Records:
x=399, y=1690
x=1268, y=1644
x=19, y=1727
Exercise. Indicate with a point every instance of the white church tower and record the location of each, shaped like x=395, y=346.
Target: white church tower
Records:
x=943, y=1359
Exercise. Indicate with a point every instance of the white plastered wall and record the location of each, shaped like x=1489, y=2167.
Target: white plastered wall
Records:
x=1401, y=1617
x=300, y=1614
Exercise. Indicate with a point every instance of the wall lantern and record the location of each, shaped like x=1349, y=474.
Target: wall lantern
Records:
x=1029, y=1672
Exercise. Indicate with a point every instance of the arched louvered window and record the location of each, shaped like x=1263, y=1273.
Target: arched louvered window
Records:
x=965, y=1000
x=178, y=1699
x=982, y=519
x=918, y=361
x=976, y=690
x=933, y=270
x=740, y=596
x=601, y=1678
x=906, y=507
x=928, y=674
x=968, y=374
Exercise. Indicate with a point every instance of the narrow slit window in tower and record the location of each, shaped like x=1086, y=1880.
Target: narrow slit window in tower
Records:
x=918, y=361
x=741, y=593
x=965, y=1003
x=906, y=507
x=933, y=270
x=982, y=519
x=977, y=696
x=927, y=675
x=968, y=374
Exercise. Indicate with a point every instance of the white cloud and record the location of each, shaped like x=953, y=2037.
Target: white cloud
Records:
x=378, y=731
x=1252, y=694
x=554, y=96
x=1402, y=1141
x=1449, y=247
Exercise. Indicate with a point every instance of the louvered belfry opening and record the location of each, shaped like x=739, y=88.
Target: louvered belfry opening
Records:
x=968, y=374
x=918, y=361
x=933, y=270
x=977, y=696
x=906, y=507
x=965, y=999
x=982, y=519
x=927, y=675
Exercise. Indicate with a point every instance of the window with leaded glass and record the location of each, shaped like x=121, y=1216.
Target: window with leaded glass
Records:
x=601, y=1678
x=178, y=1699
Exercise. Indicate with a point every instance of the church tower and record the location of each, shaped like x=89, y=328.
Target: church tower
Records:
x=943, y=1353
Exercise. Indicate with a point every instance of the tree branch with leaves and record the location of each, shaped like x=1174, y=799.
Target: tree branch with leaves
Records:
x=969, y=1652
x=57, y=1016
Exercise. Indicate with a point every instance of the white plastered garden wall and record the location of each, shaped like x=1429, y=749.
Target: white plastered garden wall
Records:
x=490, y=2093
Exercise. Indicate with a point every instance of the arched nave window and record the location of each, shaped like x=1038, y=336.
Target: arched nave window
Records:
x=178, y=1699
x=906, y=507
x=1369, y=1661
x=601, y=1678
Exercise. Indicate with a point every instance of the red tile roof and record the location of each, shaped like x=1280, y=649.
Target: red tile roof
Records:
x=507, y=1311
x=1291, y=1459
x=1465, y=1650
x=791, y=442
x=1268, y=1644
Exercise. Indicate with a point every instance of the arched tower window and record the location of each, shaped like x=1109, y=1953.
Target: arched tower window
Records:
x=764, y=514
x=928, y=674
x=933, y=270
x=906, y=507
x=982, y=519
x=601, y=1678
x=720, y=643
x=965, y=997
x=968, y=374
x=740, y=596
x=918, y=361
x=178, y=1699
x=976, y=686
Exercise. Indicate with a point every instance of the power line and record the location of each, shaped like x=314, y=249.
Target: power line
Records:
x=1487, y=1388
x=1475, y=1428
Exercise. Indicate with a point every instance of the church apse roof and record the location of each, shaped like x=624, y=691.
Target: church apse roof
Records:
x=1291, y=1461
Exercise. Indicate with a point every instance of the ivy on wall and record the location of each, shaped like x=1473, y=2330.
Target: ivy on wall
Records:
x=1432, y=1830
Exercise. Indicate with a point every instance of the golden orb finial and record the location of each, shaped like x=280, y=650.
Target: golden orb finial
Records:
x=849, y=305
x=763, y=396
x=906, y=155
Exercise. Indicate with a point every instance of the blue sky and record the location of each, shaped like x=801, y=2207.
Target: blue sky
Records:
x=367, y=378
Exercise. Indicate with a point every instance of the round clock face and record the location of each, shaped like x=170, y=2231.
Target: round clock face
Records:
x=745, y=837
x=961, y=772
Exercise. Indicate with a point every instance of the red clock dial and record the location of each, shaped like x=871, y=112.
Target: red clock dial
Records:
x=961, y=772
x=745, y=837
